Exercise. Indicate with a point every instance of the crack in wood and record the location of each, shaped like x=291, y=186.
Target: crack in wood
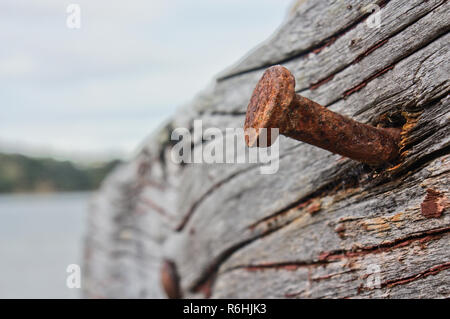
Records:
x=341, y=183
x=371, y=49
x=402, y=281
x=360, y=57
x=425, y=236
x=369, y=79
x=210, y=191
x=312, y=49
x=326, y=258
x=347, y=179
x=379, y=73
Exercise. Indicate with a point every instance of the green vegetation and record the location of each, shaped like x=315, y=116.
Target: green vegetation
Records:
x=20, y=173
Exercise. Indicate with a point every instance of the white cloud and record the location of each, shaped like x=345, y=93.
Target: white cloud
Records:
x=130, y=59
x=17, y=65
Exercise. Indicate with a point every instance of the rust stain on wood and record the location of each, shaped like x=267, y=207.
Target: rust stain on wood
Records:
x=314, y=206
x=340, y=230
x=206, y=287
x=382, y=223
x=170, y=280
x=349, y=227
x=434, y=204
x=411, y=121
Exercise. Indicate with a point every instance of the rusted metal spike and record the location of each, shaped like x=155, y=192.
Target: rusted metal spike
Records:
x=274, y=104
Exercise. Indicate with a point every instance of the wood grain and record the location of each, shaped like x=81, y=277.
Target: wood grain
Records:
x=323, y=226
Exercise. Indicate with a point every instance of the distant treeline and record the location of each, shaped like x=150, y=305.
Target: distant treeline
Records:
x=20, y=173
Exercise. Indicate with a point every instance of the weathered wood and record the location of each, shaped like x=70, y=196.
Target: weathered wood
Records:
x=319, y=225
x=305, y=33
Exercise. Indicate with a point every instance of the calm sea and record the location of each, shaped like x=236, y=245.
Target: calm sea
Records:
x=40, y=235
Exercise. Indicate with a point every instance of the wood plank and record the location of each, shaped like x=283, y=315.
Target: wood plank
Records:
x=252, y=197
x=305, y=32
x=314, y=228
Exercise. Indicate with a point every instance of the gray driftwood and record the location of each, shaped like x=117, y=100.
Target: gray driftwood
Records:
x=323, y=226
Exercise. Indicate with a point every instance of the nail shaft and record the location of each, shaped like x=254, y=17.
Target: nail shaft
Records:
x=274, y=104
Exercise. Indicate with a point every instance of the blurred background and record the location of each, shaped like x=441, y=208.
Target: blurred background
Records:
x=75, y=102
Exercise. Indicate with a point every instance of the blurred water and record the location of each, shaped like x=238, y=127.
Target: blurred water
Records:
x=40, y=235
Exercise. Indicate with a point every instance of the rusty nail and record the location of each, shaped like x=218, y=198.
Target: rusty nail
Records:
x=274, y=104
x=170, y=280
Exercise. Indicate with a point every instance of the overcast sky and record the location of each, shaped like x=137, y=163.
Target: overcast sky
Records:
x=100, y=90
